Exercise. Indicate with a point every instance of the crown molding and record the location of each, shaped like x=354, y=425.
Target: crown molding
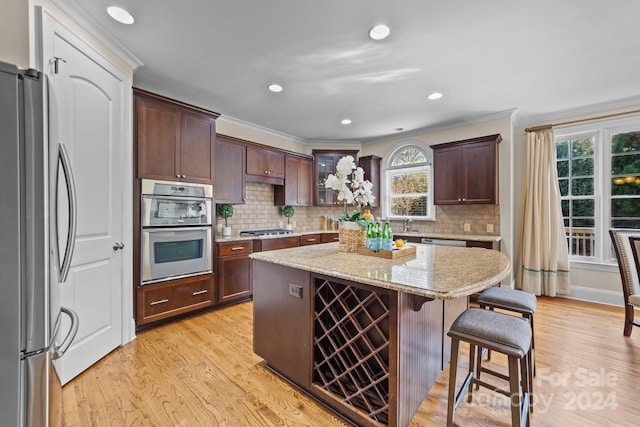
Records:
x=76, y=12
x=620, y=104
x=252, y=126
x=460, y=121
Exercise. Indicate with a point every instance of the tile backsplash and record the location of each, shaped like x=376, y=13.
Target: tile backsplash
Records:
x=259, y=213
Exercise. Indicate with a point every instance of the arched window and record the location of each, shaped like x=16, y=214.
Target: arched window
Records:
x=408, y=183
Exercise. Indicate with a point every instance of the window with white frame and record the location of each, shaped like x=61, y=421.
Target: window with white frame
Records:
x=408, y=184
x=599, y=178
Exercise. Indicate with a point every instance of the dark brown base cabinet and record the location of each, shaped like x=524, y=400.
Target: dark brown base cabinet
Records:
x=330, y=237
x=234, y=271
x=282, y=320
x=363, y=351
x=160, y=301
x=310, y=239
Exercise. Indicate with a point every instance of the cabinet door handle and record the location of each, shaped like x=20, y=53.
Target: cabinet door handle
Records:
x=237, y=248
x=160, y=301
x=178, y=176
x=311, y=240
x=183, y=176
x=204, y=291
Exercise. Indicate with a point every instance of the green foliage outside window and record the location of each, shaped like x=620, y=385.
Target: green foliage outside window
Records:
x=409, y=183
x=575, y=162
x=625, y=180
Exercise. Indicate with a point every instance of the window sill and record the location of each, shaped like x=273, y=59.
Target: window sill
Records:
x=593, y=265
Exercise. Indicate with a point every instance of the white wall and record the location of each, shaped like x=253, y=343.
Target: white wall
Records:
x=14, y=32
x=249, y=132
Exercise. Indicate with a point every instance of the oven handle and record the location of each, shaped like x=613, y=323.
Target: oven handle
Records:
x=169, y=229
x=180, y=198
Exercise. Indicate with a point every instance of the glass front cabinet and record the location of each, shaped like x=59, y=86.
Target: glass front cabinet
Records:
x=324, y=164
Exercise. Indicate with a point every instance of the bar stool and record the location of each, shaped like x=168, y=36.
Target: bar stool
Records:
x=498, y=332
x=523, y=303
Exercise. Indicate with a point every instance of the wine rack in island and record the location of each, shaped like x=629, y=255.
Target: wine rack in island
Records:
x=351, y=346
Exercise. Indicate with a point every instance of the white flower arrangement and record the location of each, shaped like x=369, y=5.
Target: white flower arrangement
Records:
x=352, y=188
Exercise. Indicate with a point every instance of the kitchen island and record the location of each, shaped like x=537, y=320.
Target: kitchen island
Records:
x=365, y=335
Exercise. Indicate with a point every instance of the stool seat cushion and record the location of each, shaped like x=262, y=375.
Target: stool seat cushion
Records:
x=487, y=327
x=508, y=298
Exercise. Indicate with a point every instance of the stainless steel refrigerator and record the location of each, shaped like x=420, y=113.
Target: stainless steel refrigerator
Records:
x=34, y=258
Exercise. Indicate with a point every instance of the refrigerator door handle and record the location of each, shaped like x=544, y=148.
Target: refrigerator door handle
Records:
x=73, y=219
x=75, y=322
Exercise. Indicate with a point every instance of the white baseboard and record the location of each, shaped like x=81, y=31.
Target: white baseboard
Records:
x=596, y=295
x=132, y=331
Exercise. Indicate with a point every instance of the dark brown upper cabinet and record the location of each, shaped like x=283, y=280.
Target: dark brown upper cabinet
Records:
x=298, y=180
x=230, y=170
x=371, y=167
x=466, y=172
x=264, y=165
x=175, y=141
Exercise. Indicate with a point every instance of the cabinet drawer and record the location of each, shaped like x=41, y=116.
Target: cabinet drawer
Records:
x=277, y=243
x=162, y=300
x=330, y=237
x=310, y=239
x=235, y=248
x=482, y=244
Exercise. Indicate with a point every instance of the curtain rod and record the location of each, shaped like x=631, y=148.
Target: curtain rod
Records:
x=570, y=122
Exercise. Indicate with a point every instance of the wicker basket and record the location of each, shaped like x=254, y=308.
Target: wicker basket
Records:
x=352, y=236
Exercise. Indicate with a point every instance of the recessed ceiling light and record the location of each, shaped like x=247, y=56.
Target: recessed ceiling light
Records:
x=379, y=32
x=346, y=121
x=120, y=15
x=275, y=87
x=435, y=95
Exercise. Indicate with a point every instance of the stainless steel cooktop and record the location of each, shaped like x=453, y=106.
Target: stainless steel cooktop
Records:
x=267, y=232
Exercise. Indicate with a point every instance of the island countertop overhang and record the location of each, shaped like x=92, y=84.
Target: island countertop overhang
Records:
x=438, y=272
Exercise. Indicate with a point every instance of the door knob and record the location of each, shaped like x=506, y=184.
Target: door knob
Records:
x=117, y=246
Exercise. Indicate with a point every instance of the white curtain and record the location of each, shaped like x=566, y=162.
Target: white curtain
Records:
x=543, y=259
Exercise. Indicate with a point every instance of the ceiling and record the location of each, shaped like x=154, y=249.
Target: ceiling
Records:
x=537, y=58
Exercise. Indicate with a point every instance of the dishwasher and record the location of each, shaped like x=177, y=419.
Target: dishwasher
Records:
x=443, y=242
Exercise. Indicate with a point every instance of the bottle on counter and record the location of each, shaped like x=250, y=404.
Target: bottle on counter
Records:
x=324, y=223
x=371, y=237
x=377, y=230
x=387, y=237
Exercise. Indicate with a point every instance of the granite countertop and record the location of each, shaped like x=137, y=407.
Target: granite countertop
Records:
x=441, y=272
x=478, y=238
x=238, y=238
x=451, y=236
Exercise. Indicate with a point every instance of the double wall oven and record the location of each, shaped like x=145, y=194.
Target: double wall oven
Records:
x=176, y=219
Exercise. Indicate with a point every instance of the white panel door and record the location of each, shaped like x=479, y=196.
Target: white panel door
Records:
x=86, y=104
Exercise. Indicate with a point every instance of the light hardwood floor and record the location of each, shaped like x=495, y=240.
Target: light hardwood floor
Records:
x=201, y=371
